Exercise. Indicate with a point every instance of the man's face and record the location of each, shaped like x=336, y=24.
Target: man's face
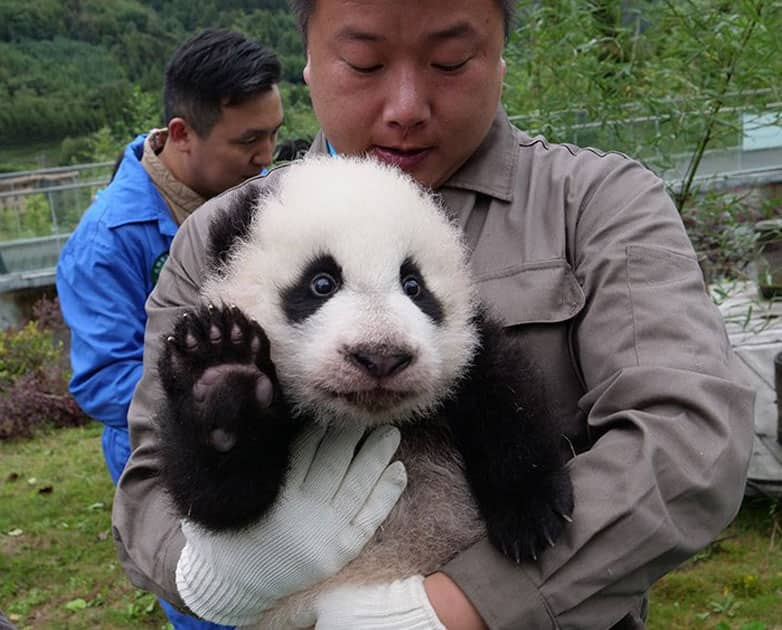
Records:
x=414, y=83
x=239, y=145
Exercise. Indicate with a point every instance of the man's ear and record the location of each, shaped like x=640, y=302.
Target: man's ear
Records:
x=306, y=72
x=504, y=67
x=179, y=133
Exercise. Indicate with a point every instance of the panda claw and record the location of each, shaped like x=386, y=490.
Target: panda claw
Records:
x=567, y=518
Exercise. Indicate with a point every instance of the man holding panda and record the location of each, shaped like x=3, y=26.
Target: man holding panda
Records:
x=580, y=252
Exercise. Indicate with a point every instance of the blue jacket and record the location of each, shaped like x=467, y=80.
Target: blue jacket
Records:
x=105, y=273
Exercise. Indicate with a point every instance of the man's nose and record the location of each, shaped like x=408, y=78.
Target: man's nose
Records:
x=407, y=103
x=263, y=155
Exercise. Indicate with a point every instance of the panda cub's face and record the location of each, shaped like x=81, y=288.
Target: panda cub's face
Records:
x=362, y=286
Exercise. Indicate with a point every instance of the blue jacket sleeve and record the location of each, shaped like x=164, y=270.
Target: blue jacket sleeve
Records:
x=102, y=284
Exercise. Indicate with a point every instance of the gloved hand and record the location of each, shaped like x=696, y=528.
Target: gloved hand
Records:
x=329, y=508
x=400, y=605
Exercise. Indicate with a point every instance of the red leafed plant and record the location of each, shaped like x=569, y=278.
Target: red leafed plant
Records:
x=34, y=373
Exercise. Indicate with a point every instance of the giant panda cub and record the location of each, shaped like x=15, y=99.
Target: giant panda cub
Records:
x=348, y=285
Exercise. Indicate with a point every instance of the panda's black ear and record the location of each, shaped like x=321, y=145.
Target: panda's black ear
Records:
x=231, y=224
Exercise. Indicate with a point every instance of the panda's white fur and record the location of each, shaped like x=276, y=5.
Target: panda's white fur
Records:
x=374, y=228
x=321, y=207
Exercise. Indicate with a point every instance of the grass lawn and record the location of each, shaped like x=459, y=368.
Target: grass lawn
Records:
x=58, y=568
x=734, y=584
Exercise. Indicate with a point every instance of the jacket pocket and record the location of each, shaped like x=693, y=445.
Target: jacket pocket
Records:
x=543, y=292
x=537, y=302
x=675, y=322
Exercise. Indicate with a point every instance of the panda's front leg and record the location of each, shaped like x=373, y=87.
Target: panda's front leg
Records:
x=225, y=434
x=511, y=448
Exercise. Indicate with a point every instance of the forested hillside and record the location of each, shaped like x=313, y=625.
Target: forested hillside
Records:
x=71, y=68
x=657, y=80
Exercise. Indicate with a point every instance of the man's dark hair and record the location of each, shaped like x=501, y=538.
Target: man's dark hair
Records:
x=303, y=10
x=292, y=149
x=213, y=69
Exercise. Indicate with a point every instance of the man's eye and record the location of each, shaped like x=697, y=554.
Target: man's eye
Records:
x=365, y=69
x=251, y=140
x=451, y=67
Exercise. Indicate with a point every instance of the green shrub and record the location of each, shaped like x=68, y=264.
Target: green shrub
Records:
x=34, y=373
x=721, y=226
x=25, y=350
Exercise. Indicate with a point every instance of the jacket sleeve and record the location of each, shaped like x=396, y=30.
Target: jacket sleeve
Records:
x=102, y=287
x=669, y=425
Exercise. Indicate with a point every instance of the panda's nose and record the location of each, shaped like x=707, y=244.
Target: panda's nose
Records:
x=381, y=365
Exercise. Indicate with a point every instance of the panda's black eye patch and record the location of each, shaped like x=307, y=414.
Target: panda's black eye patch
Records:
x=319, y=281
x=413, y=285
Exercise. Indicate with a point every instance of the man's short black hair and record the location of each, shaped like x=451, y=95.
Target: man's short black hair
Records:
x=212, y=69
x=303, y=10
x=292, y=149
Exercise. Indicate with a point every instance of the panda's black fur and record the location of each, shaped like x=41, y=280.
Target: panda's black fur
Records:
x=225, y=454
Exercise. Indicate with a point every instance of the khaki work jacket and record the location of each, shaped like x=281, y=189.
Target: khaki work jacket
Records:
x=583, y=254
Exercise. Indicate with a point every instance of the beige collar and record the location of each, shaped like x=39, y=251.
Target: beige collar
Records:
x=180, y=199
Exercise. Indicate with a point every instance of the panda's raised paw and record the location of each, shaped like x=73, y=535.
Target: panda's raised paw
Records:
x=531, y=519
x=216, y=369
x=214, y=335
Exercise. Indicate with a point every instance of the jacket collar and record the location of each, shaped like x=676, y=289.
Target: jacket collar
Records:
x=491, y=170
x=131, y=197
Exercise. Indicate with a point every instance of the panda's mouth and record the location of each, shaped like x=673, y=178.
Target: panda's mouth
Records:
x=373, y=400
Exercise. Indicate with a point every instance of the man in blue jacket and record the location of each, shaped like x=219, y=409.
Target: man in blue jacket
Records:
x=222, y=112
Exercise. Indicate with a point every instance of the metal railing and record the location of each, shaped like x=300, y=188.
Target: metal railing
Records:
x=40, y=173
x=642, y=135
x=38, y=211
x=37, y=215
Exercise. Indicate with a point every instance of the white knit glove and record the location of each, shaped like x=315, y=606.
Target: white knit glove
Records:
x=330, y=506
x=400, y=605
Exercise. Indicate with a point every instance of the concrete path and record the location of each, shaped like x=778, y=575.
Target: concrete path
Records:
x=754, y=328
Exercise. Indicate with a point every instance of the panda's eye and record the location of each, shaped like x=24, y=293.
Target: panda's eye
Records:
x=323, y=285
x=411, y=286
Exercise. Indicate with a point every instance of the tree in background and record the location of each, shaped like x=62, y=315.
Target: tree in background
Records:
x=92, y=71
x=139, y=112
x=665, y=81
x=660, y=80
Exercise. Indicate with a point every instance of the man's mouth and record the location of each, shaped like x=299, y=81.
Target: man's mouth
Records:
x=406, y=159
